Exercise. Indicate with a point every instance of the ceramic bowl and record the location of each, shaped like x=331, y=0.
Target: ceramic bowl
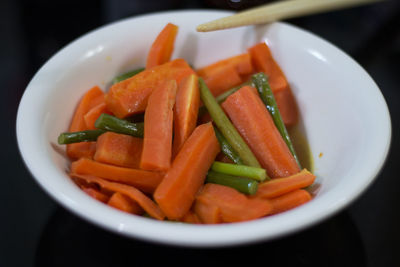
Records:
x=344, y=116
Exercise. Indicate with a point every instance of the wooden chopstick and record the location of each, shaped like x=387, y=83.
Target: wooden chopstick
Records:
x=278, y=11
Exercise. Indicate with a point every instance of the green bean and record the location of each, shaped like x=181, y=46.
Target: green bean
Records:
x=241, y=184
x=260, y=81
x=226, y=127
x=126, y=75
x=76, y=137
x=254, y=173
x=226, y=148
x=114, y=124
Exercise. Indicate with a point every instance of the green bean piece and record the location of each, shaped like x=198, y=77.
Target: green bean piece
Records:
x=254, y=173
x=76, y=137
x=226, y=148
x=244, y=185
x=126, y=75
x=225, y=126
x=114, y=124
x=260, y=81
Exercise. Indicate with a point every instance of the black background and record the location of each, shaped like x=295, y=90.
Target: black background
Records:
x=36, y=231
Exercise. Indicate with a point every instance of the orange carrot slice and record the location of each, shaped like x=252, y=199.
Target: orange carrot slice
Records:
x=121, y=202
x=289, y=201
x=157, y=141
x=223, y=80
x=207, y=211
x=277, y=187
x=92, y=115
x=162, y=47
x=191, y=217
x=176, y=192
x=233, y=205
x=146, y=203
x=119, y=149
x=143, y=180
x=185, y=111
x=287, y=106
x=96, y=194
x=254, y=123
x=242, y=63
x=130, y=96
x=92, y=98
x=263, y=61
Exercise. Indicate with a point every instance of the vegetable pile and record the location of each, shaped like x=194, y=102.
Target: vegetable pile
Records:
x=201, y=146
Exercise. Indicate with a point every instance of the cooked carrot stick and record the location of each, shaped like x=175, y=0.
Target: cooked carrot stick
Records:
x=119, y=149
x=233, y=206
x=253, y=121
x=143, y=180
x=130, y=96
x=277, y=187
x=191, y=217
x=242, y=63
x=263, y=61
x=185, y=110
x=162, y=47
x=207, y=211
x=176, y=192
x=289, y=201
x=157, y=141
x=287, y=106
x=222, y=80
x=146, y=203
x=91, y=98
x=92, y=115
x=121, y=202
x=96, y=194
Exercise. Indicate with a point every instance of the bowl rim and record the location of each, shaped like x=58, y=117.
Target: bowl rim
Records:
x=227, y=234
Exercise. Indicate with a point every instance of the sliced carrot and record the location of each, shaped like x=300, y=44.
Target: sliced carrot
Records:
x=233, y=205
x=143, y=180
x=177, y=191
x=92, y=98
x=162, y=47
x=254, y=123
x=91, y=116
x=96, y=194
x=191, y=217
x=130, y=96
x=289, y=201
x=185, y=111
x=277, y=187
x=157, y=141
x=287, y=106
x=121, y=202
x=119, y=149
x=207, y=211
x=263, y=61
x=146, y=203
x=223, y=80
x=242, y=63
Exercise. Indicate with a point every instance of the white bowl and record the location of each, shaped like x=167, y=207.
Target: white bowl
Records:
x=343, y=111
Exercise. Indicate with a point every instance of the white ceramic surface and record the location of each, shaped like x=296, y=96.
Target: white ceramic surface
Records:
x=343, y=111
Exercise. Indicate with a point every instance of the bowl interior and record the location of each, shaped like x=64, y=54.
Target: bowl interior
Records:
x=343, y=113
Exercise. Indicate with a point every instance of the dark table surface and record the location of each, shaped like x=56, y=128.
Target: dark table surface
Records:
x=36, y=231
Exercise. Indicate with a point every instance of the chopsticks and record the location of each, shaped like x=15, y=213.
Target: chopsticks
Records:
x=278, y=11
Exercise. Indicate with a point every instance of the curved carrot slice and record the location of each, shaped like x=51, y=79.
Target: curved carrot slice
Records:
x=263, y=61
x=289, y=201
x=92, y=98
x=162, y=47
x=207, y=211
x=223, y=80
x=277, y=187
x=254, y=123
x=185, y=111
x=146, y=203
x=287, y=106
x=157, y=141
x=121, y=202
x=177, y=191
x=143, y=180
x=242, y=63
x=91, y=116
x=131, y=95
x=119, y=149
x=96, y=194
x=191, y=217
